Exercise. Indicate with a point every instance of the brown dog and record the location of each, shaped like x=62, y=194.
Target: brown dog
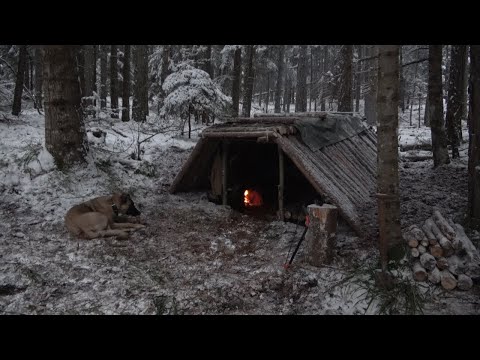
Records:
x=103, y=216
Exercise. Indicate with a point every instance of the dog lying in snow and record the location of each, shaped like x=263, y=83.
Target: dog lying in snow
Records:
x=103, y=216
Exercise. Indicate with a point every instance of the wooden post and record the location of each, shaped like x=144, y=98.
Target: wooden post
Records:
x=224, y=172
x=281, y=185
x=321, y=233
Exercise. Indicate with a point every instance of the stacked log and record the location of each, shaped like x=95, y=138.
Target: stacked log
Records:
x=442, y=253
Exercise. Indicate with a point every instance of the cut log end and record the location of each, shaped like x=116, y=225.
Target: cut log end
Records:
x=419, y=272
x=447, y=280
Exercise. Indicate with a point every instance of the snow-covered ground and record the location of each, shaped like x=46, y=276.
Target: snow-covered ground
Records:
x=194, y=257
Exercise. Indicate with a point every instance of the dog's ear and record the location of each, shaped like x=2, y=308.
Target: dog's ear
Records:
x=124, y=198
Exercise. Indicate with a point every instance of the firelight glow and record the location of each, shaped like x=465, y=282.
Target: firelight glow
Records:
x=252, y=198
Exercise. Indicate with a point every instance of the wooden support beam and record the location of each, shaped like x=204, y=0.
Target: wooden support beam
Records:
x=249, y=134
x=281, y=182
x=224, y=171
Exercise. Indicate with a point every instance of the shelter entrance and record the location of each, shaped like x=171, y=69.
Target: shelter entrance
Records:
x=254, y=184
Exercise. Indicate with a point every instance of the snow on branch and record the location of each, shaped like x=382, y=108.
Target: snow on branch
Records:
x=189, y=88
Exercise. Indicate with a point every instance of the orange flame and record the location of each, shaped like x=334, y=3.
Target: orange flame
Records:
x=252, y=198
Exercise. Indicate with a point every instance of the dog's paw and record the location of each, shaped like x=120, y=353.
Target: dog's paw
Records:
x=123, y=236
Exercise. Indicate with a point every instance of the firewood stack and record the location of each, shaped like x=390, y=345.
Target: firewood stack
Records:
x=442, y=253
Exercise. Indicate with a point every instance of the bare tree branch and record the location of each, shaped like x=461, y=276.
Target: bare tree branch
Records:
x=24, y=87
x=415, y=62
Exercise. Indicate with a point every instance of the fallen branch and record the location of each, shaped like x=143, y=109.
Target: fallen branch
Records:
x=408, y=147
x=416, y=158
x=119, y=133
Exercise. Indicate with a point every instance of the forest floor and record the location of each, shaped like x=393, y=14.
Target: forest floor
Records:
x=194, y=257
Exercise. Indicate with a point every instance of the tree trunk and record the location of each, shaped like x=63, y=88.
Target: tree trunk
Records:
x=345, y=102
x=391, y=243
x=301, y=90
x=237, y=71
x=464, y=91
x=94, y=65
x=113, y=82
x=80, y=56
x=165, y=71
x=126, y=84
x=311, y=80
x=140, y=89
x=31, y=62
x=287, y=96
x=248, y=83
x=65, y=135
x=455, y=97
x=314, y=76
x=208, y=61
x=279, y=85
x=103, y=75
x=435, y=106
x=426, y=115
x=38, y=77
x=267, y=98
x=27, y=71
x=420, y=108
x=89, y=78
x=357, y=79
x=189, y=125
x=412, y=97
x=17, y=95
x=147, y=96
x=166, y=54
x=402, y=82
x=473, y=212
x=322, y=79
x=371, y=106
x=447, y=49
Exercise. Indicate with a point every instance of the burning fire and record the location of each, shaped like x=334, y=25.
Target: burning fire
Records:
x=252, y=198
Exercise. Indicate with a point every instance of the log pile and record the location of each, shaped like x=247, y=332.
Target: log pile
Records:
x=442, y=253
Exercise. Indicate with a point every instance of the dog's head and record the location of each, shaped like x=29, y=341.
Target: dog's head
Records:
x=125, y=204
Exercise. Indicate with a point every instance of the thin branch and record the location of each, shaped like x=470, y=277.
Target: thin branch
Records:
x=367, y=58
x=415, y=62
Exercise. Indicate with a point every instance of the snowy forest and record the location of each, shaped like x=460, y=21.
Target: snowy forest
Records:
x=240, y=179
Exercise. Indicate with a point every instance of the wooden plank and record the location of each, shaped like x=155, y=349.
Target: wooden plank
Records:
x=330, y=171
x=339, y=176
x=363, y=181
x=257, y=120
x=240, y=134
x=305, y=114
x=368, y=162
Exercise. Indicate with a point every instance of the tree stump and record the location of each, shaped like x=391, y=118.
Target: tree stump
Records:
x=321, y=233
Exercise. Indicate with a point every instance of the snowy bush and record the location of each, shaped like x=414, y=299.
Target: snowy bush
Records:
x=189, y=89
